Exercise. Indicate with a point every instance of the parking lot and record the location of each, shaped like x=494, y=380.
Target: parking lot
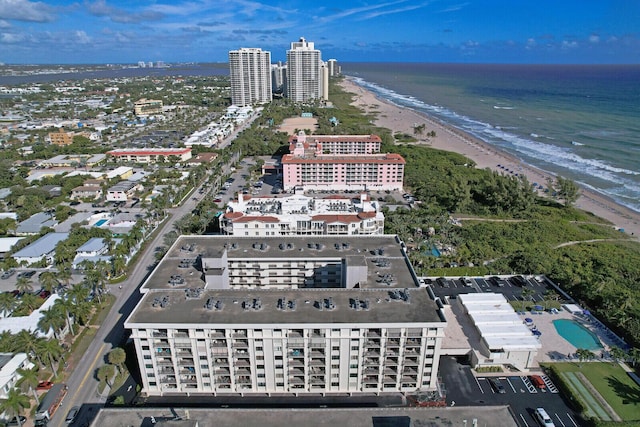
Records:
x=465, y=389
x=509, y=286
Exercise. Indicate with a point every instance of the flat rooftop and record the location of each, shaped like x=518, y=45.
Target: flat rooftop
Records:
x=496, y=416
x=295, y=306
x=387, y=265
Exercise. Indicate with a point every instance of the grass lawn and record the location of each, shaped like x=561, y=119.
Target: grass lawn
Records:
x=613, y=383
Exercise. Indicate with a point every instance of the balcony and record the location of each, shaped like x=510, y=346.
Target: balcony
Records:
x=168, y=380
x=317, y=362
x=411, y=361
x=395, y=342
x=372, y=343
x=370, y=380
x=372, y=334
x=240, y=344
x=296, y=380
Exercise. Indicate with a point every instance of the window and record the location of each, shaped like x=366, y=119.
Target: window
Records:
x=145, y=347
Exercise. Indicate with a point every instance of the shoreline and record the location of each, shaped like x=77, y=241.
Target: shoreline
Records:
x=449, y=138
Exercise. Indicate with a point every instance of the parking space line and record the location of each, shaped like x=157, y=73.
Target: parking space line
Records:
x=572, y=420
x=558, y=417
x=524, y=421
x=511, y=385
x=480, y=387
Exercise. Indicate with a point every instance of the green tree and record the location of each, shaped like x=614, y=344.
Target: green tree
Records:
x=53, y=351
x=48, y=280
x=105, y=373
x=8, y=303
x=65, y=306
x=29, y=343
x=584, y=355
x=526, y=295
x=15, y=404
x=23, y=285
x=117, y=357
x=51, y=319
x=29, y=380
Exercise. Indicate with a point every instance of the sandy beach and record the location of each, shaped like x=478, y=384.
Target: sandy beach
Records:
x=399, y=119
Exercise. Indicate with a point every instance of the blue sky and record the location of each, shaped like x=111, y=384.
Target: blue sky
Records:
x=497, y=31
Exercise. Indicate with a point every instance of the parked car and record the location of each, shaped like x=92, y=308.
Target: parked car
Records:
x=8, y=273
x=44, y=385
x=14, y=421
x=537, y=381
x=497, y=386
x=543, y=418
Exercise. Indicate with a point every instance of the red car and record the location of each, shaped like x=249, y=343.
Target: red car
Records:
x=44, y=385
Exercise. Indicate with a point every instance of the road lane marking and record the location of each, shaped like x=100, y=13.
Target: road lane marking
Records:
x=574, y=423
x=478, y=382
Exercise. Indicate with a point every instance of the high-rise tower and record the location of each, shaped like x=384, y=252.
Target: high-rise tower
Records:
x=250, y=72
x=304, y=73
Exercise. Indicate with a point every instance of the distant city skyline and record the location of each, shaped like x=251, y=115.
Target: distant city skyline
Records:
x=488, y=31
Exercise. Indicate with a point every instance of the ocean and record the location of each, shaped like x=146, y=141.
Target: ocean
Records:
x=578, y=121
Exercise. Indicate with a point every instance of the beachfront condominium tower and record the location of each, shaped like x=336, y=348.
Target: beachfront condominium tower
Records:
x=304, y=72
x=250, y=71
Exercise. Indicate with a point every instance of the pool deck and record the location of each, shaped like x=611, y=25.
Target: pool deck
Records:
x=555, y=348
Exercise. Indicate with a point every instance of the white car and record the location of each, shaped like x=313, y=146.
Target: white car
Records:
x=543, y=418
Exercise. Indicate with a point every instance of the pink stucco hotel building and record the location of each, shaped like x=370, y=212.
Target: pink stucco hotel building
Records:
x=340, y=162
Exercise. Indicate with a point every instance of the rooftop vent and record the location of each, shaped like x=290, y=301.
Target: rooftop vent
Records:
x=328, y=304
x=254, y=304
x=213, y=304
x=176, y=279
x=161, y=302
x=284, y=304
x=193, y=293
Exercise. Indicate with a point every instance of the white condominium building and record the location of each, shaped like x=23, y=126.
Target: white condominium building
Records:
x=302, y=215
x=250, y=72
x=344, y=315
x=304, y=72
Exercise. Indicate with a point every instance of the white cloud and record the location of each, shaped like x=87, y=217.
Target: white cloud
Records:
x=24, y=10
x=101, y=8
x=12, y=38
x=82, y=37
x=4, y=24
x=569, y=44
x=594, y=38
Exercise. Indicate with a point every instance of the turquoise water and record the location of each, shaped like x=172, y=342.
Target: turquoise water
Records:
x=581, y=122
x=576, y=334
x=99, y=223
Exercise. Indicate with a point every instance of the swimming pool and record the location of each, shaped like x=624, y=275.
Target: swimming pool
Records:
x=99, y=223
x=576, y=334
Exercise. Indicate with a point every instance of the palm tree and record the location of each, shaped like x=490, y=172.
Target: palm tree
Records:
x=28, y=342
x=527, y=293
x=64, y=276
x=618, y=354
x=29, y=378
x=65, y=306
x=53, y=350
x=7, y=342
x=30, y=302
x=51, y=319
x=584, y=354
x=15, y=403
x=8, y=303
x=23, y=285
x=48, y=280
x=78, y=293
x=117, y=356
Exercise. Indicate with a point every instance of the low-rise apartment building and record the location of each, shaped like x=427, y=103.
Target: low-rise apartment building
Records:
x=151, y=155
x=301, y=215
